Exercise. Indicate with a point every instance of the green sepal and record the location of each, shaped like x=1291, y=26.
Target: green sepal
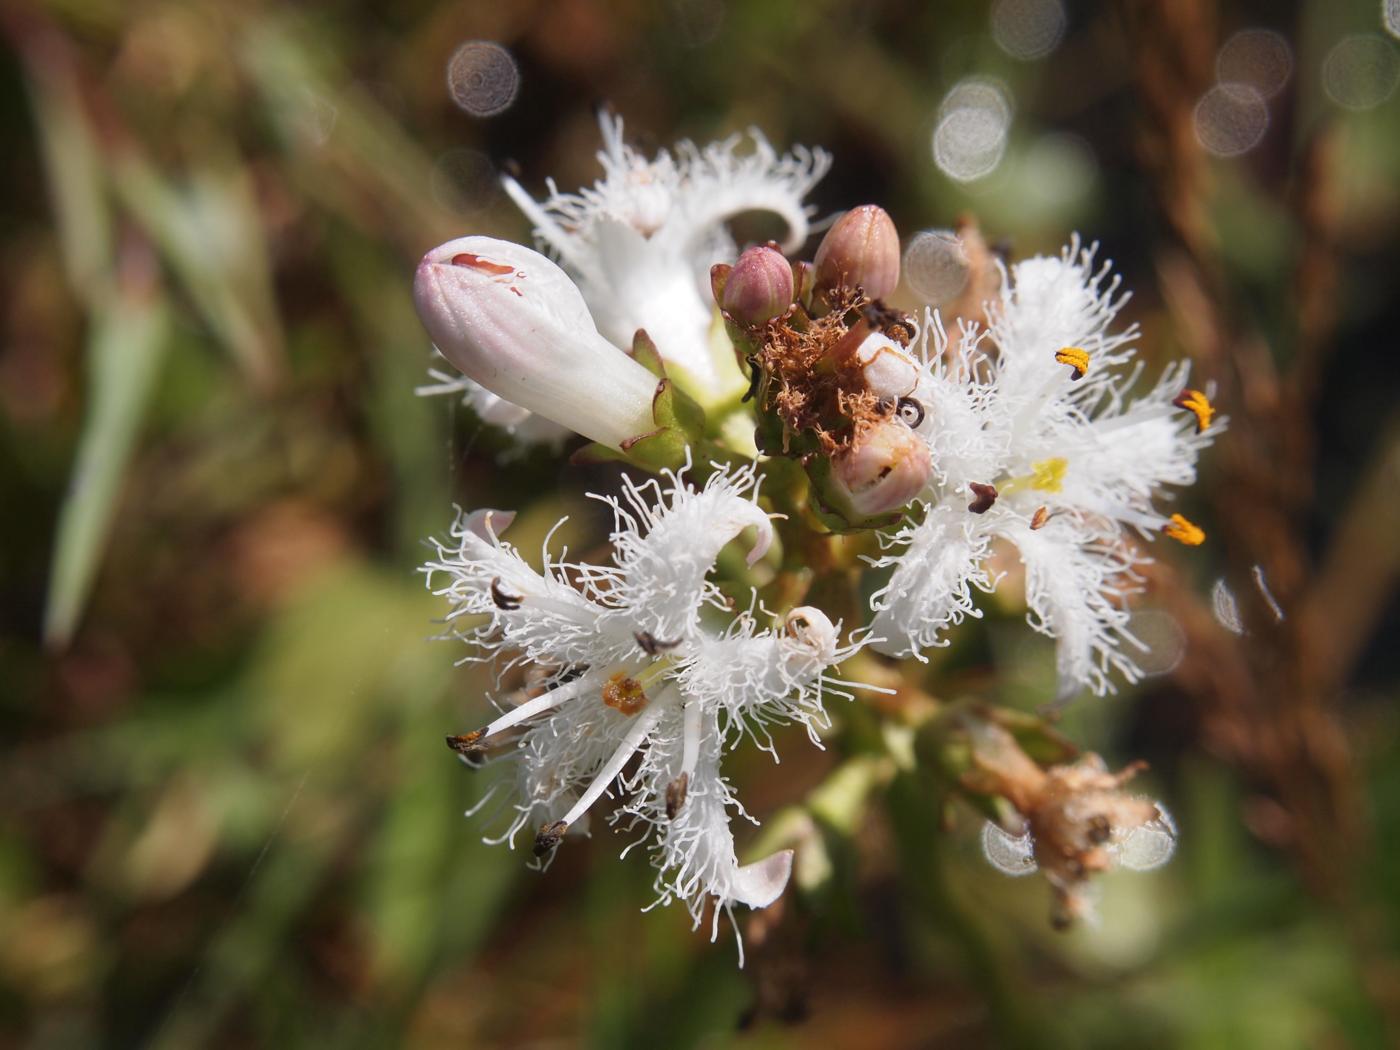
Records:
x=595, y=452
x=680, y=422
x=645, y=353
x=672, y=407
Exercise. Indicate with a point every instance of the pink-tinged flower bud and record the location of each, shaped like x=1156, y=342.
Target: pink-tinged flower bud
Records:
x=861, y=250
x=514, y=322
x=888, y=469
x=759, y=287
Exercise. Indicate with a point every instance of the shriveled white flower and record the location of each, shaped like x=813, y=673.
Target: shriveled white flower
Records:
x=631, y=666
x=1035, y=440
x=640, y=242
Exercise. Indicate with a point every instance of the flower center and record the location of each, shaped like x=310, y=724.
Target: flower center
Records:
x=1047, y=475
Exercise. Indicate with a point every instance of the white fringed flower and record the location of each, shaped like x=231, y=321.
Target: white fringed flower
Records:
x=1036, y=441
x=631, y=668
x=640, y=242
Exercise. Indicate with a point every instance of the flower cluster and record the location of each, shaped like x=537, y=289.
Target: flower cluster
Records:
x=931, y=451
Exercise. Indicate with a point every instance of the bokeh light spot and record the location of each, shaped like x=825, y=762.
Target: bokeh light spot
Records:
x=1149, y=846
x=973, y=122
x=936, y=266
x=1260, y=58
x=1230, y=119
x=1009, y=854
x=1361, y=71
x=1028, y=29
x=483, y=78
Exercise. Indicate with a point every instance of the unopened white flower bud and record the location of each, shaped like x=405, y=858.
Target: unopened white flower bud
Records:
x=884, y=472
x=514, y=322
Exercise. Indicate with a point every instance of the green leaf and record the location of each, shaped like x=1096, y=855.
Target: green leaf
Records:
x=129, y=336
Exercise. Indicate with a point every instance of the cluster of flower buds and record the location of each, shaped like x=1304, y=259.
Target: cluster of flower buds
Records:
x=829, y=369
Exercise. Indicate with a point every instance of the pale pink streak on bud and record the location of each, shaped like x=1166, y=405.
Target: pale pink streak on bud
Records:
x=860, y=250
x=513, y=321
x=759, y=287
x=884, y=472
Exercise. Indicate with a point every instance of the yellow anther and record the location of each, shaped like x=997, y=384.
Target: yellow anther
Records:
x=1076, y=358
x=1184, y=531
x=1198, y=405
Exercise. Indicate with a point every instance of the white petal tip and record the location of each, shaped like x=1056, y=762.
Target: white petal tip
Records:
x=761, y=883
x=761, y=544
x=488, y=524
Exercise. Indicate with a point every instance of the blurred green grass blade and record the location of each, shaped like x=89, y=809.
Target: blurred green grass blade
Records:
x=129, y=335
x=210, y=234
x=72, y=166
x=364, y=165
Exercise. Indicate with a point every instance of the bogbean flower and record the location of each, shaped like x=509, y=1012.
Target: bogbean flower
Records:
x=1036, y=441
x=630, y=666
x=640, y=242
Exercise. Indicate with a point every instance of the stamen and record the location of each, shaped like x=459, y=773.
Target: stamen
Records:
x=1184, y=531
x=910, y=411
x=473, y=742
x=504, y=600
x=984, y=497
x=1195, y=402
x=613, y=766
x=624, y=693
x=548, y=836
x=1039, y=518
x=675, y=795
x=650, y=645
x=1076, y=358
x=467, y=743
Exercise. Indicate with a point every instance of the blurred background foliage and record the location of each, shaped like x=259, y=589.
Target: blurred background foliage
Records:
x=228, y=818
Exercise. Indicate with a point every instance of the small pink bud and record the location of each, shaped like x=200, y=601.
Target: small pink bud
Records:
x=759, y=287
x=888, y=469
x=861, y=250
